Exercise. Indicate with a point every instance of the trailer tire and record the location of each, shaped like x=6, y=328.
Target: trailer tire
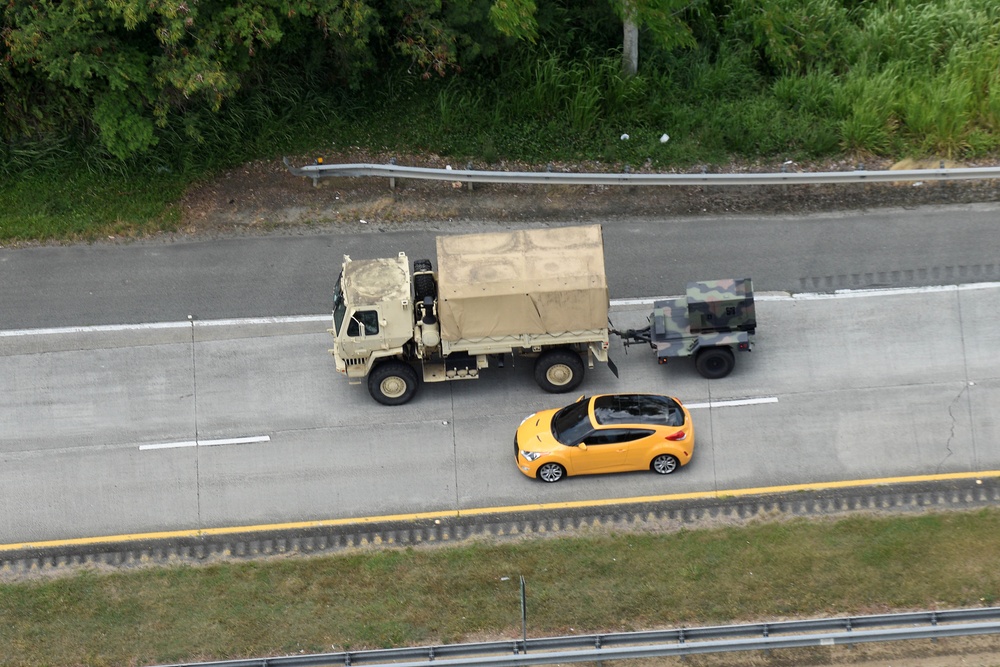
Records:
x=559, y=371
x=715, y=362
x=392, y=383
x=421, y=265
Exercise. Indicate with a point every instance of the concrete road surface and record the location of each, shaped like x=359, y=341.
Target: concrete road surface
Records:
x=122, y=429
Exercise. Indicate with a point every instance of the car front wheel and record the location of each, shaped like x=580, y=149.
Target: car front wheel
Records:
x=551, y=472
x=665, y=464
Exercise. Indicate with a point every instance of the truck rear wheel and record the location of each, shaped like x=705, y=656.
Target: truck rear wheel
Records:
x=715, y=362
x=559, y=371
x=421, y=265
x=392, y=383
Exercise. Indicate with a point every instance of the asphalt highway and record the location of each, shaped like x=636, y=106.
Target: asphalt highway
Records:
x=293, y=273
x=154, y=421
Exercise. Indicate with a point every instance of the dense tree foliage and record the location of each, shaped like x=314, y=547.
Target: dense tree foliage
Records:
x=741, y=76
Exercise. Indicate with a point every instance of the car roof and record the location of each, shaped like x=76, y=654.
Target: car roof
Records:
x=653, y=409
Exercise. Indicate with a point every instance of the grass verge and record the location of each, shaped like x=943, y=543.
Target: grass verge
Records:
x=613, y=582
x=84, y=206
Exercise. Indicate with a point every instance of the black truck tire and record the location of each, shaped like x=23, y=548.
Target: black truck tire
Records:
x=715, y=362
x=559, y=371
x=392, y=383
x=421, y=265
x=423, y=286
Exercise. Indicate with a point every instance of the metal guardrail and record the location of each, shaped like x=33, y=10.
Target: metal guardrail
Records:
x=393, y=171
x=657, y=643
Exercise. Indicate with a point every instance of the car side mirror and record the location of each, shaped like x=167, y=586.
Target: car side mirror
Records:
x=582, y=446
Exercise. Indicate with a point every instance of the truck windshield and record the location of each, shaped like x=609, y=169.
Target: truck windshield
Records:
x=571, y=424
x=339, y=307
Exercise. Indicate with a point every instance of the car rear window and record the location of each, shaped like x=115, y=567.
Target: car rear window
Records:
x=638, y=409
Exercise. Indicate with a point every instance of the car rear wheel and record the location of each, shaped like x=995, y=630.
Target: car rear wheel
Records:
x=559, y=371
x=551, y=472
x=665, y=464
x=715, y=362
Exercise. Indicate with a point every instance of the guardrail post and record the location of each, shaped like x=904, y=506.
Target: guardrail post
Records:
x=392, y=179
x=468, y=167
x=315, y=178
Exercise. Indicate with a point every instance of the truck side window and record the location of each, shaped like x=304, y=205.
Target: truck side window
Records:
x=366, y=318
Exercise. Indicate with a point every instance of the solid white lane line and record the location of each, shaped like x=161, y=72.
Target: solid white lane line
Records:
x=726, y=404
x=207, y=443
x=103, y=328
x=760, y=296
x=838, y=294
x=112, y=328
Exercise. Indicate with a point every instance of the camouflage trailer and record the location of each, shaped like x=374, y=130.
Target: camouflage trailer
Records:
x=540, y=294
x=714, y=318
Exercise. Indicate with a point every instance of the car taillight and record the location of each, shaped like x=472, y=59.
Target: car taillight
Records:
x=679, y=435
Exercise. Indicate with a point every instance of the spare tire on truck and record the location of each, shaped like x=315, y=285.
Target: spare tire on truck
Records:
x=559, y=371
x=392, y=383
x=424, y=286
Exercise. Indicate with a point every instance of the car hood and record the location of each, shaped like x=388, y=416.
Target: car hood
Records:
x=535, y=432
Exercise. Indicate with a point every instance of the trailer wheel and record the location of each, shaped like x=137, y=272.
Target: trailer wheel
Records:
x=421, y=265
x=559, y=371
x=392, y=383
x=715, y=362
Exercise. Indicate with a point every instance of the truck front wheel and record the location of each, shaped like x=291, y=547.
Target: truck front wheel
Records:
x=715, y=362
x=558, y=371
x=392, y=383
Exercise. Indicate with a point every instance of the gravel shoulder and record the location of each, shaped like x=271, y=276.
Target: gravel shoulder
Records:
x=264, y=197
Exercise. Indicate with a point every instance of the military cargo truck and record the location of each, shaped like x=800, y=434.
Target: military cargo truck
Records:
x=713, y=319
x=539, y=294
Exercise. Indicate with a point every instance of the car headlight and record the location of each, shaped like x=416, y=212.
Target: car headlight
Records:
x=531, y=456
x=528, y=417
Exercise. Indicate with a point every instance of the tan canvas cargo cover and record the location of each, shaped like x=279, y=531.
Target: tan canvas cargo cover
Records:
x=539, y=281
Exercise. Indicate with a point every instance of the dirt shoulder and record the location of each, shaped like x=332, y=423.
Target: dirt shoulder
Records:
x=264, y=196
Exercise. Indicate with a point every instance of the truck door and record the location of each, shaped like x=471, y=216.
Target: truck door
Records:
x=363, y=333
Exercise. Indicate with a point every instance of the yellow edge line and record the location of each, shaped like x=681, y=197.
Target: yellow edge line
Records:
x=729, y=493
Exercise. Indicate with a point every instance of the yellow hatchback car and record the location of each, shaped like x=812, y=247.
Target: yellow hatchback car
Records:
x=605, y=433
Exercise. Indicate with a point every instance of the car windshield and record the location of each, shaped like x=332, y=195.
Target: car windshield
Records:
x=638, y=409
x=339, y=307
x=572, y=423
